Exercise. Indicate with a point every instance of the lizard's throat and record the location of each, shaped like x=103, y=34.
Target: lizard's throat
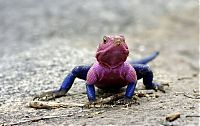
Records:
x=112, y=58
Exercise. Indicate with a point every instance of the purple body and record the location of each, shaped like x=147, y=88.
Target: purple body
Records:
x=108, y=78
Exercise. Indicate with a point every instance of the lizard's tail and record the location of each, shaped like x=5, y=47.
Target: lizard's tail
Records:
x=146, y=59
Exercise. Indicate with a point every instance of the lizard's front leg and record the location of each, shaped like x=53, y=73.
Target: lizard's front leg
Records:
x=130, y=90
x=78, y=72
x=129, y=93
x=91, y=93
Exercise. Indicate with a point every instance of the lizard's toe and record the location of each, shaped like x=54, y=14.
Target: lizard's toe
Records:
x=159, y=87
x=45, y=96
x=126, y=101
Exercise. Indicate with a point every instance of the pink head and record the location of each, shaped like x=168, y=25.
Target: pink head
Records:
x=112, y=52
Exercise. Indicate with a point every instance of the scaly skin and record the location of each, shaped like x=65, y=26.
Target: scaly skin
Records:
x=111, y=71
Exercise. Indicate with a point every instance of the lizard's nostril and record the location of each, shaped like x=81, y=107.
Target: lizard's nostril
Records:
x=117, y=41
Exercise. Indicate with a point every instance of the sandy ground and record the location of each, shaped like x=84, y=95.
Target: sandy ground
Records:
x=41, y=41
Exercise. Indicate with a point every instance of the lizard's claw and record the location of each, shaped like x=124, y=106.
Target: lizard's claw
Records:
x=45, y=96
x=90, y=104
x=126, y=101
x=159, y=87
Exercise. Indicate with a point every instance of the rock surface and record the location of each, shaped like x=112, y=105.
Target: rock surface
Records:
x=41, y=41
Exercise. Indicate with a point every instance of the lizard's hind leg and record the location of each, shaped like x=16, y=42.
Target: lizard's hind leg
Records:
x=78, y=72
x=144, y=72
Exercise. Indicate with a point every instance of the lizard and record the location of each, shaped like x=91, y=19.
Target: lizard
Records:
x=110, y=71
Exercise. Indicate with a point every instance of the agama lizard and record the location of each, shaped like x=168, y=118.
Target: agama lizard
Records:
x=111, y=71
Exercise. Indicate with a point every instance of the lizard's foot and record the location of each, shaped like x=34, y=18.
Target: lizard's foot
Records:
x=126, y=101
x=45, y=96
x=90, y=104
x=159, y=87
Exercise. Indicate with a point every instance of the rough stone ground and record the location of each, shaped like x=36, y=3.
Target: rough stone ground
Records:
x=41, y=41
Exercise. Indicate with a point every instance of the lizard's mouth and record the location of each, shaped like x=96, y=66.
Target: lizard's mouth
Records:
x=112, y=56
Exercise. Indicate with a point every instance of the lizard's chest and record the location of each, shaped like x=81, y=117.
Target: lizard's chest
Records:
x=110, y=75
x=111, y=79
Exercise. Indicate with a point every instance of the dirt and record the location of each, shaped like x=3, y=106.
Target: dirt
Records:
x=41, y=42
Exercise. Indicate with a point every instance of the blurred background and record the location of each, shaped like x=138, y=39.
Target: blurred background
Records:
x=26, y=24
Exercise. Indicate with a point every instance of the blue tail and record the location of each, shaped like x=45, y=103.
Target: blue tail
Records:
x=146, y=59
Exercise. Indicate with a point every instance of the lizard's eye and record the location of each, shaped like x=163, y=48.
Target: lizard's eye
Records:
x=123, y=40
x=104, y=39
